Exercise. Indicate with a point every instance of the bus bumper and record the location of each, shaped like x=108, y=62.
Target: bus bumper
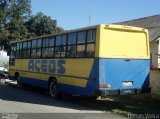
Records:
x=104, y=92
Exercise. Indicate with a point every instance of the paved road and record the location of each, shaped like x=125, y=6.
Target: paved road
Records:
x=22, y=103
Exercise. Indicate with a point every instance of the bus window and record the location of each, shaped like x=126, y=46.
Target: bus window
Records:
x=34, y=43
x=64, y=39
x=90, y=50
x=39, y=44
x=24, y=45
x=17, y=51
x=51, y=52
x=20, y=50
x=63, y=51
x=71, y=51
x=51, y=41
x=91, y=36
x=81, y=37
x=33, y=51
x=80, y=50
x=29, y=49
x=72, y=38
x=58, y=40
x=18, y=44
x=24, y=50
x=13, y=48
x=45, y=52
x=45, y=47
x=58, y=52
x=45, y=42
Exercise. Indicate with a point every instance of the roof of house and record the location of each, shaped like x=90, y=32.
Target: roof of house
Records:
x=152, y=23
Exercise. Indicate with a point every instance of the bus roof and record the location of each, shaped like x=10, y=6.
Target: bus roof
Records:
x=109, y=26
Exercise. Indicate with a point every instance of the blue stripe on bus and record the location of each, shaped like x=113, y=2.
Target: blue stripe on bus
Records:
x=62, y=87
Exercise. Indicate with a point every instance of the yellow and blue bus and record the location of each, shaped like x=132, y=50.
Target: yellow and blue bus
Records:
x=93, y=61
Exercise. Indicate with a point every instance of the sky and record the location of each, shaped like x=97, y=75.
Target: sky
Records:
x=72, y=14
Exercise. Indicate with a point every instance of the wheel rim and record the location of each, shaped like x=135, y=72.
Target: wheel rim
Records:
x=53, y=90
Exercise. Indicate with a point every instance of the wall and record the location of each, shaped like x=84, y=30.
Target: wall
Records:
x=155, y=83
x=154, y=50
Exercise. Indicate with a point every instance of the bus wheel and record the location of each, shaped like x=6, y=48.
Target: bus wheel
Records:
x=54, y=93
x=19, y=82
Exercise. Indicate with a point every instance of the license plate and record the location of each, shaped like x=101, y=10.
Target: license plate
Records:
x=127, y=83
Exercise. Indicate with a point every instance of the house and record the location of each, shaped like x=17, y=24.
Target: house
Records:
x=152, y=23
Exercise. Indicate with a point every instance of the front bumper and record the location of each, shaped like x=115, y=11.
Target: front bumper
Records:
x=104, y=92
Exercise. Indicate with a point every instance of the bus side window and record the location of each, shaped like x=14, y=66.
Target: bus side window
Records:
x=58, y=46
x=45, y=47
x=29, y=49
x=91, y=36
x=13, y=51
x=24, y=50
x=39, y=45
x=63, y=46
x=17, y=50
x=71, y=50
x=20, y=50
x=33, y=51
x=81, y=44
x=90, y=48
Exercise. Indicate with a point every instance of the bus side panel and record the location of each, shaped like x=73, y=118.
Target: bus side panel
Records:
x=71, y=82
x=90, y=88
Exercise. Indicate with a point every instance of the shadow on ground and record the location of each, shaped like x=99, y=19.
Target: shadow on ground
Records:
x=139, y=104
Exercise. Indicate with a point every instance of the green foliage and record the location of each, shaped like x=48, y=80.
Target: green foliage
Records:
x=13, y=15
x=41, y=24
x=16, y=23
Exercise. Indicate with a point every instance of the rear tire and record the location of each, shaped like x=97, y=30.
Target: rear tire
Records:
x=53, y=90
x=19, y=82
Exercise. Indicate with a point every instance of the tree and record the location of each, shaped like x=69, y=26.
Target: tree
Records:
x=13, y=15
x=19, y=13
x=3, y=18
x=41, y=24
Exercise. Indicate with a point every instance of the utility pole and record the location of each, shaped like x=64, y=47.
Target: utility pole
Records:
x=90, y=11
